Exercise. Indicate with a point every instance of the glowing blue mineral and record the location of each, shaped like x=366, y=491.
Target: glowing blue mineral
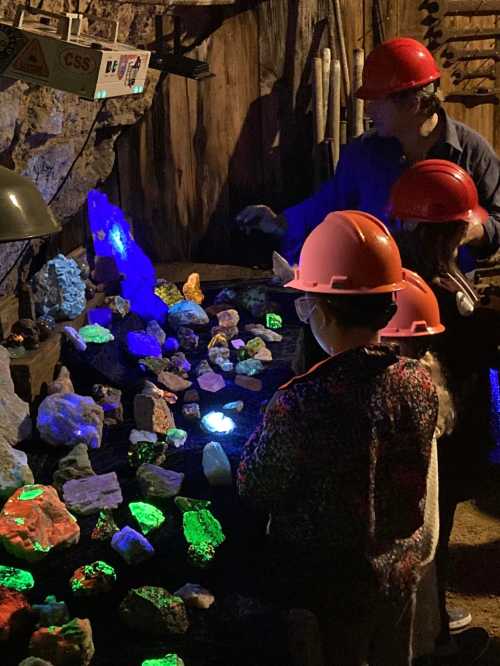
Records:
x=141, y=344
x=112, y=237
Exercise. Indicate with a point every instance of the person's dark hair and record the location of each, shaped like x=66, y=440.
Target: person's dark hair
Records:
x=371, y=311
x=430, y=97
x=430, y=249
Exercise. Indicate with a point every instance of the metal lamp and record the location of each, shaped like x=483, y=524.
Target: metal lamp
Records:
x=23, y=212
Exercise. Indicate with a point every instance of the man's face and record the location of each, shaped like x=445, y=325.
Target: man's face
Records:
x=391, y=117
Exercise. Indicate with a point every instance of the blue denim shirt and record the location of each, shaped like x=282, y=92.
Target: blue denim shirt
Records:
x=369, y=166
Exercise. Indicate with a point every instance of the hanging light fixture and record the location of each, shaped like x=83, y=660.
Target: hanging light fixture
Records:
x=23, y=212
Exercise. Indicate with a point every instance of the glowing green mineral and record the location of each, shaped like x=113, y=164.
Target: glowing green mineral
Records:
x=273, y=320
x=202, y=529
x=167, y=660
x=16, y=579
x=147, y=515
x=30, y=492
x=96, y=333
x=105, y=526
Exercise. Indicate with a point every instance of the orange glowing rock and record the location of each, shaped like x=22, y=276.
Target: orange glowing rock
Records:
x=192, y=289
x=34, y=520
x=15, y=612
x=218, y=340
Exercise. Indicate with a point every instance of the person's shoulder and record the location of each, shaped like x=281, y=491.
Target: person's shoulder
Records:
x=368, y=142
x=411, y=376
x=470, y=138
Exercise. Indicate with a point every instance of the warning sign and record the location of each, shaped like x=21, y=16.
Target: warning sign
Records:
x=32, y=61
x=11, y=43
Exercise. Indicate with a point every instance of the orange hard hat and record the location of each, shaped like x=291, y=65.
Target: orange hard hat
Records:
x=436, y=191
x=350, y=252
x=418, y=310
x=395, y=65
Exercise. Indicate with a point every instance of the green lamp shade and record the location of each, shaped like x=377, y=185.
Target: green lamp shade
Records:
x=23, y=212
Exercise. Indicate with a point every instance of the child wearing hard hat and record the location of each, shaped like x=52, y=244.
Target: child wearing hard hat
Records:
x=401, y=88
x=436, y=201
x=342, y=456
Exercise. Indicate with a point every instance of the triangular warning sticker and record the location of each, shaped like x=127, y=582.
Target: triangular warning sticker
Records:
x=32, y=61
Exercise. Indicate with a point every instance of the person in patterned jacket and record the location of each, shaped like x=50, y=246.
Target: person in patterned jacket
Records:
x=341, y=457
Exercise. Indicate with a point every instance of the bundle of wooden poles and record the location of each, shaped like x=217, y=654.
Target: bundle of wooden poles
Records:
x=333, y=124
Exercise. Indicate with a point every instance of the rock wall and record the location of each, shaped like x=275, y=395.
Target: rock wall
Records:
x=43, y=130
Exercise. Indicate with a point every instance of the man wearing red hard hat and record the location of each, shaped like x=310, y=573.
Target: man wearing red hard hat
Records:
x=401, y=88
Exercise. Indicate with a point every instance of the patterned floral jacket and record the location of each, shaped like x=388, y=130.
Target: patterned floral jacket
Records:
x=341, y=459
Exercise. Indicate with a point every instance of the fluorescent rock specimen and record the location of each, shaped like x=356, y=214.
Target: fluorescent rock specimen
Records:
x=62, y=383
x=62, y=646
x=51, y=612
x=203, y=532
x=155, y=364
x=154, y=481
x=168, y=660
x=92, y=494
x=146, y=452
x=188, y=339
x=112, y=237
x=58, y=289
x=195, y=596
x=92, y=579
x=264, y=354
x=218, y=340
x=101, y=316
x=110, y=399
x=273, y=320
x=153, y=610
x=140, y=344
x=254, y=299
x=191, y=411
x=238, y=343
x=169, y=293
x=249, y=367
x=176, y=437
x=118, y=305
x=142, y=436
x=192, y=289
x=216, y=466
x=250, y=383
x=155, y=330
x=96, y=334
x=76, y=465
x=15, y=612
x=263, y=332
x=66, y=419
x=254, y=345
x=16, y=579
x=173, y=381
x=152, y=413
x=228, y=318
x=170, y=345
x=186, y=313
x=15, y=422
x=211, y=381
x=180, y=364
x=34, y=520
x=75, y=338
x=14, y=469
x=132, y=546
x=203, y=367
x=217, y=422
x=191, y=504
x=216, y=353
x=236, y=406
x=191, y=395
x=105, y=526
x=148, y=517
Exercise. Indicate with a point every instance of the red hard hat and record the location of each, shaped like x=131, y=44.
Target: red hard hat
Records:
x=395, y=65
x=436, y=191
x=418, y=310
x=350, y=252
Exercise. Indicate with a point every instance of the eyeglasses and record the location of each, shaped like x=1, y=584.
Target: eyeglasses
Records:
x=305, y=306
